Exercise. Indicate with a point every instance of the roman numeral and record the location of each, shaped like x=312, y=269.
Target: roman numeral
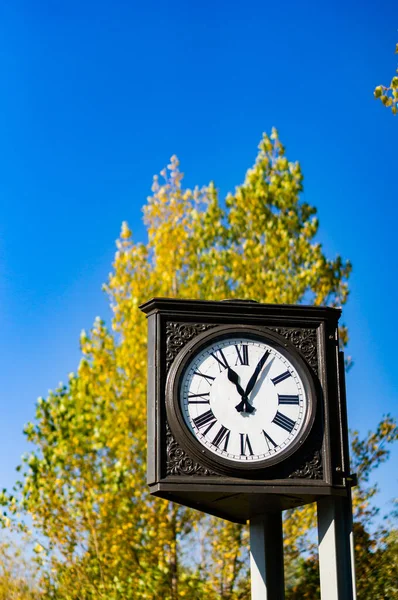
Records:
x=286, y=399
x=281, y=377
x=269, y=439
x=204, y=419
x=222, y=361
x=202, y=396
x=243, y=354
x=222, y=436
x=245, y=444
x=208, y=378
x=284, y=422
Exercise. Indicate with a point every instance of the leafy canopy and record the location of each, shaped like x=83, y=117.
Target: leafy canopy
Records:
x=99, y=535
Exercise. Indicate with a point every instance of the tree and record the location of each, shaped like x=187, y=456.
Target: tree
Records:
x=83, y=485
x=16, y=576
x=389, y=94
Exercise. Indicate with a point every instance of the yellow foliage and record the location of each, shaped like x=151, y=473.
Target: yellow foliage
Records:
x=84, y=484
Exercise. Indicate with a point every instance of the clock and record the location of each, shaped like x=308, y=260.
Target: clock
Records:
x=246, y=405
x=240, y=399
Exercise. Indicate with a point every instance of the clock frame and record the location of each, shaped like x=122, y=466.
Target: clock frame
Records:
x=317, y=467
x=178, y=424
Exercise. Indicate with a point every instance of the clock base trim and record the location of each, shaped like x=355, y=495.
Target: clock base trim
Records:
x=239, y=503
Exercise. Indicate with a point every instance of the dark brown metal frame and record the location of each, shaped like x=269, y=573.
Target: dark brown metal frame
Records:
x=173, y=408
x=285, y=484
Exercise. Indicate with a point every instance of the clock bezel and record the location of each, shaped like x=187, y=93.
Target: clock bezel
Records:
x=189, y=443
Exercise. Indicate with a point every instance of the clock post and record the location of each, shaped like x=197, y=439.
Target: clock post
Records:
x=247, y=418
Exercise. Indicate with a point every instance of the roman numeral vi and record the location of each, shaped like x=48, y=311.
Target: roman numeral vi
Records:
x=245, y=444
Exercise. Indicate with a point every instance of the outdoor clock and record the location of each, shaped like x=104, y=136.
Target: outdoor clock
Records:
x=240, y=399
x=246, y=405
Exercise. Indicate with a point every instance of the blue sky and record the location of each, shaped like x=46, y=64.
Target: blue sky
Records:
x=95, y=98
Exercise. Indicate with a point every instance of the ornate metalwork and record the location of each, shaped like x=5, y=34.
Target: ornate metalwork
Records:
x=305, y=340
x=311, y=469
x=178, y=462
x=178, y=334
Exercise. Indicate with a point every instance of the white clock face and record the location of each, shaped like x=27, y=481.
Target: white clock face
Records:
x=243, y=400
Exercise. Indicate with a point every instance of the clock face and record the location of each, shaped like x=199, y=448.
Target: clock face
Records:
x=244, y=400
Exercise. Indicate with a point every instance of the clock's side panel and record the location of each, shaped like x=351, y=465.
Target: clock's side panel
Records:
x=154, y=382
x=335, y=445
x=323, y=374
x=351, y=479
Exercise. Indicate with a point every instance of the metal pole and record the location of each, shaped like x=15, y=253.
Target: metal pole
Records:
x=266, y=557
x=336, y=564
x=352, y=547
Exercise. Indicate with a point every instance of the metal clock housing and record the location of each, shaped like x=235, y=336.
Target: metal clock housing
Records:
x=240, y=399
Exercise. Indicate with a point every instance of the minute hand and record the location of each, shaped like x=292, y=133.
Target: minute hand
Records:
x=253, y=378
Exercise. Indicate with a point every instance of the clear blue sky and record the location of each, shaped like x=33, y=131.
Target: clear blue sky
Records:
x=95, y=98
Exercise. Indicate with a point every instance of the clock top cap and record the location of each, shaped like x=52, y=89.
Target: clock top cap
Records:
x=232, y=306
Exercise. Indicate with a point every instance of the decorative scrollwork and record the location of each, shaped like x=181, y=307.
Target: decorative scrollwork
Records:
x=178, y=334
x=311, y=469
x=304, y=340
x=178, y=462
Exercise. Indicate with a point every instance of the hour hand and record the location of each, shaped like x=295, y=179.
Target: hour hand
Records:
x=234, y=378
x=243, y=405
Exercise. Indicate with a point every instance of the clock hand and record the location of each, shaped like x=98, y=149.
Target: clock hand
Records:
x=243, y=404
x=234, y=378
x=253, y=378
